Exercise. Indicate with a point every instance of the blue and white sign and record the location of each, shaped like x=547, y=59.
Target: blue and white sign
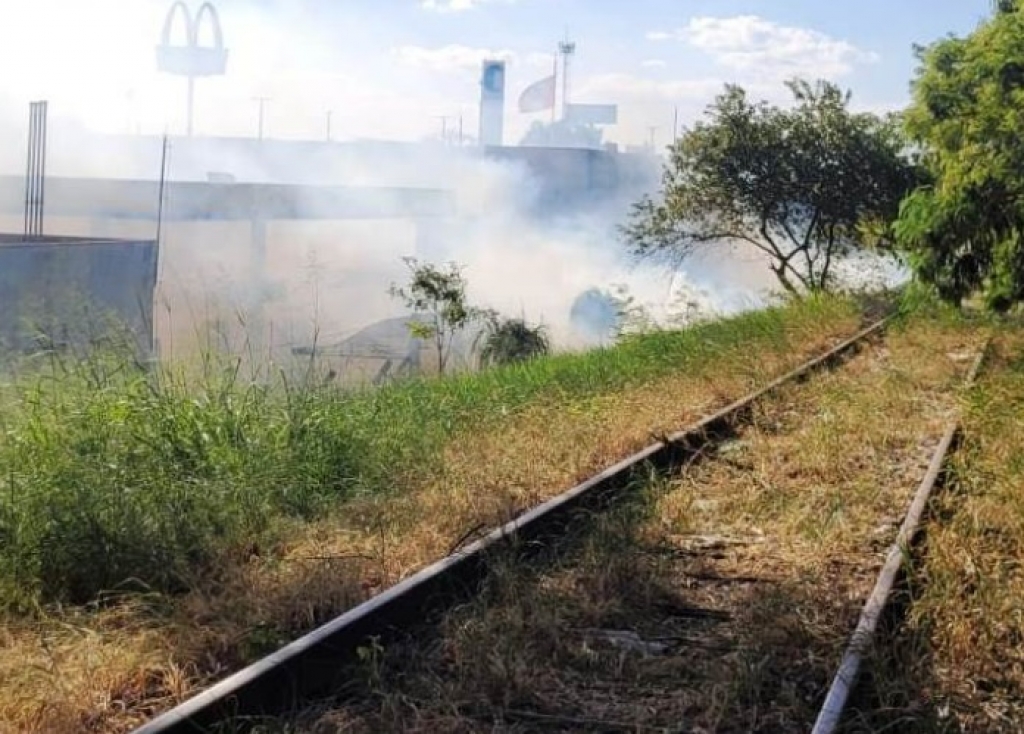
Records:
x=494, y=79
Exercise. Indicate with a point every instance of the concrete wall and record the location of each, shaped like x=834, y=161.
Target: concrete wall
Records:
x=73, y=289
x=567, y=177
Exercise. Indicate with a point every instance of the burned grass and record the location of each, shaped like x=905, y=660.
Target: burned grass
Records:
x=437, y=461
x=718, y=601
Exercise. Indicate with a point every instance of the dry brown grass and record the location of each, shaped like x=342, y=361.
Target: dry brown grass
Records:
x=962, y=640
x=107, y=670
x=718, y=602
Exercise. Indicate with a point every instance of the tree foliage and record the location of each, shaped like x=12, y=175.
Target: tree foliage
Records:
x=965, y=231
x=439, y=294
x=562, y=133
x=804, y=184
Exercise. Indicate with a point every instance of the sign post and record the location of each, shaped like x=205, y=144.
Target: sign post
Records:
x=191, y=60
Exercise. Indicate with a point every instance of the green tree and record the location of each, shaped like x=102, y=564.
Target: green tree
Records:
x=506, y=341
x=964, y=232
x=804, y=185
x=439, y=294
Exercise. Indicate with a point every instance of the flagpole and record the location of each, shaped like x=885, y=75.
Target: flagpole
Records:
x=554, y=75
x=566, y=49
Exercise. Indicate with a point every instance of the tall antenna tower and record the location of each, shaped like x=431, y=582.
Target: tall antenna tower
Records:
x=566, y=49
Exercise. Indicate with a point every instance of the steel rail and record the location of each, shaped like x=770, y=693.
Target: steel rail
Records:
x=311, y=665
x=863, y=636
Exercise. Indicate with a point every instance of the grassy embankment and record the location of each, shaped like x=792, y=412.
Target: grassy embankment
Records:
x=719, y=601
x=162, y=529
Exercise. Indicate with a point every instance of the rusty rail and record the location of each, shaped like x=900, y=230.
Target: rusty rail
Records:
x=861, y=640
x=310, y=666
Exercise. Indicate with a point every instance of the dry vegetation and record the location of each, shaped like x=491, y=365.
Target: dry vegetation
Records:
x=718, y=601
x=961, y=641
x=109, y=665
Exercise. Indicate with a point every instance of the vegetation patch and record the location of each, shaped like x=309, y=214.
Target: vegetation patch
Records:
x=195, y=519
x=960, y=637
x=719, y=600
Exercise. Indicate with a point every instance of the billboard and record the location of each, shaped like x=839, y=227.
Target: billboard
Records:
x=493, y=80
x=492, y=102
x=593, y=114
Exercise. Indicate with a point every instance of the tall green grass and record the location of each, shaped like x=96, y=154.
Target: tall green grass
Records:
x=114, y=475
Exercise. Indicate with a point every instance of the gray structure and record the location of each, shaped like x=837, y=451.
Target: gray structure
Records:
x=575, y=176
x=70, y=291
x=492, y=103
x=108, y=198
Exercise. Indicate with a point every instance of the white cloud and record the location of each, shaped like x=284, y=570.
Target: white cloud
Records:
x=653, y=64
x=762, y=49
x=453, y=57
x=454, y=6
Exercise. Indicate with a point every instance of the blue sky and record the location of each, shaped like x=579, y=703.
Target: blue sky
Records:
x=391, y=68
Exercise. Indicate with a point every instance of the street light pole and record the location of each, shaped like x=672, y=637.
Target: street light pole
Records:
x=261, y=101
x=444, y=127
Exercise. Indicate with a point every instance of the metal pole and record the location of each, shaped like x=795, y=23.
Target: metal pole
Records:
x=675, y=125
x=35, y=173
x=444, y=127
x=565, y=85
x=554, y=79
x=567, y=48
x=29, y=168
x=329, y=113
x=261, y=101
x=42, y=165
x=191, y=103
x=163, y=181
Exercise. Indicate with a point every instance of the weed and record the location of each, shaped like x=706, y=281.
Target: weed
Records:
x=228, y=508
x=721, y=598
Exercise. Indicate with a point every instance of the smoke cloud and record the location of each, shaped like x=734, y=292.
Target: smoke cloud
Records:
x=525, y=251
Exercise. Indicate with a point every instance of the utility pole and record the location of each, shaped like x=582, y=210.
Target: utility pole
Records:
x=652, y=130
x=130, y=99
x=262, y=102
x=444, y=127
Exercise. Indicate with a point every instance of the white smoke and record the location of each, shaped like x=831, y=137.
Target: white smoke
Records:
x=320, y=279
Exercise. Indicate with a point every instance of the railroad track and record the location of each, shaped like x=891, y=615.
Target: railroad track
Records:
x=310, y=666
x=845, y=678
